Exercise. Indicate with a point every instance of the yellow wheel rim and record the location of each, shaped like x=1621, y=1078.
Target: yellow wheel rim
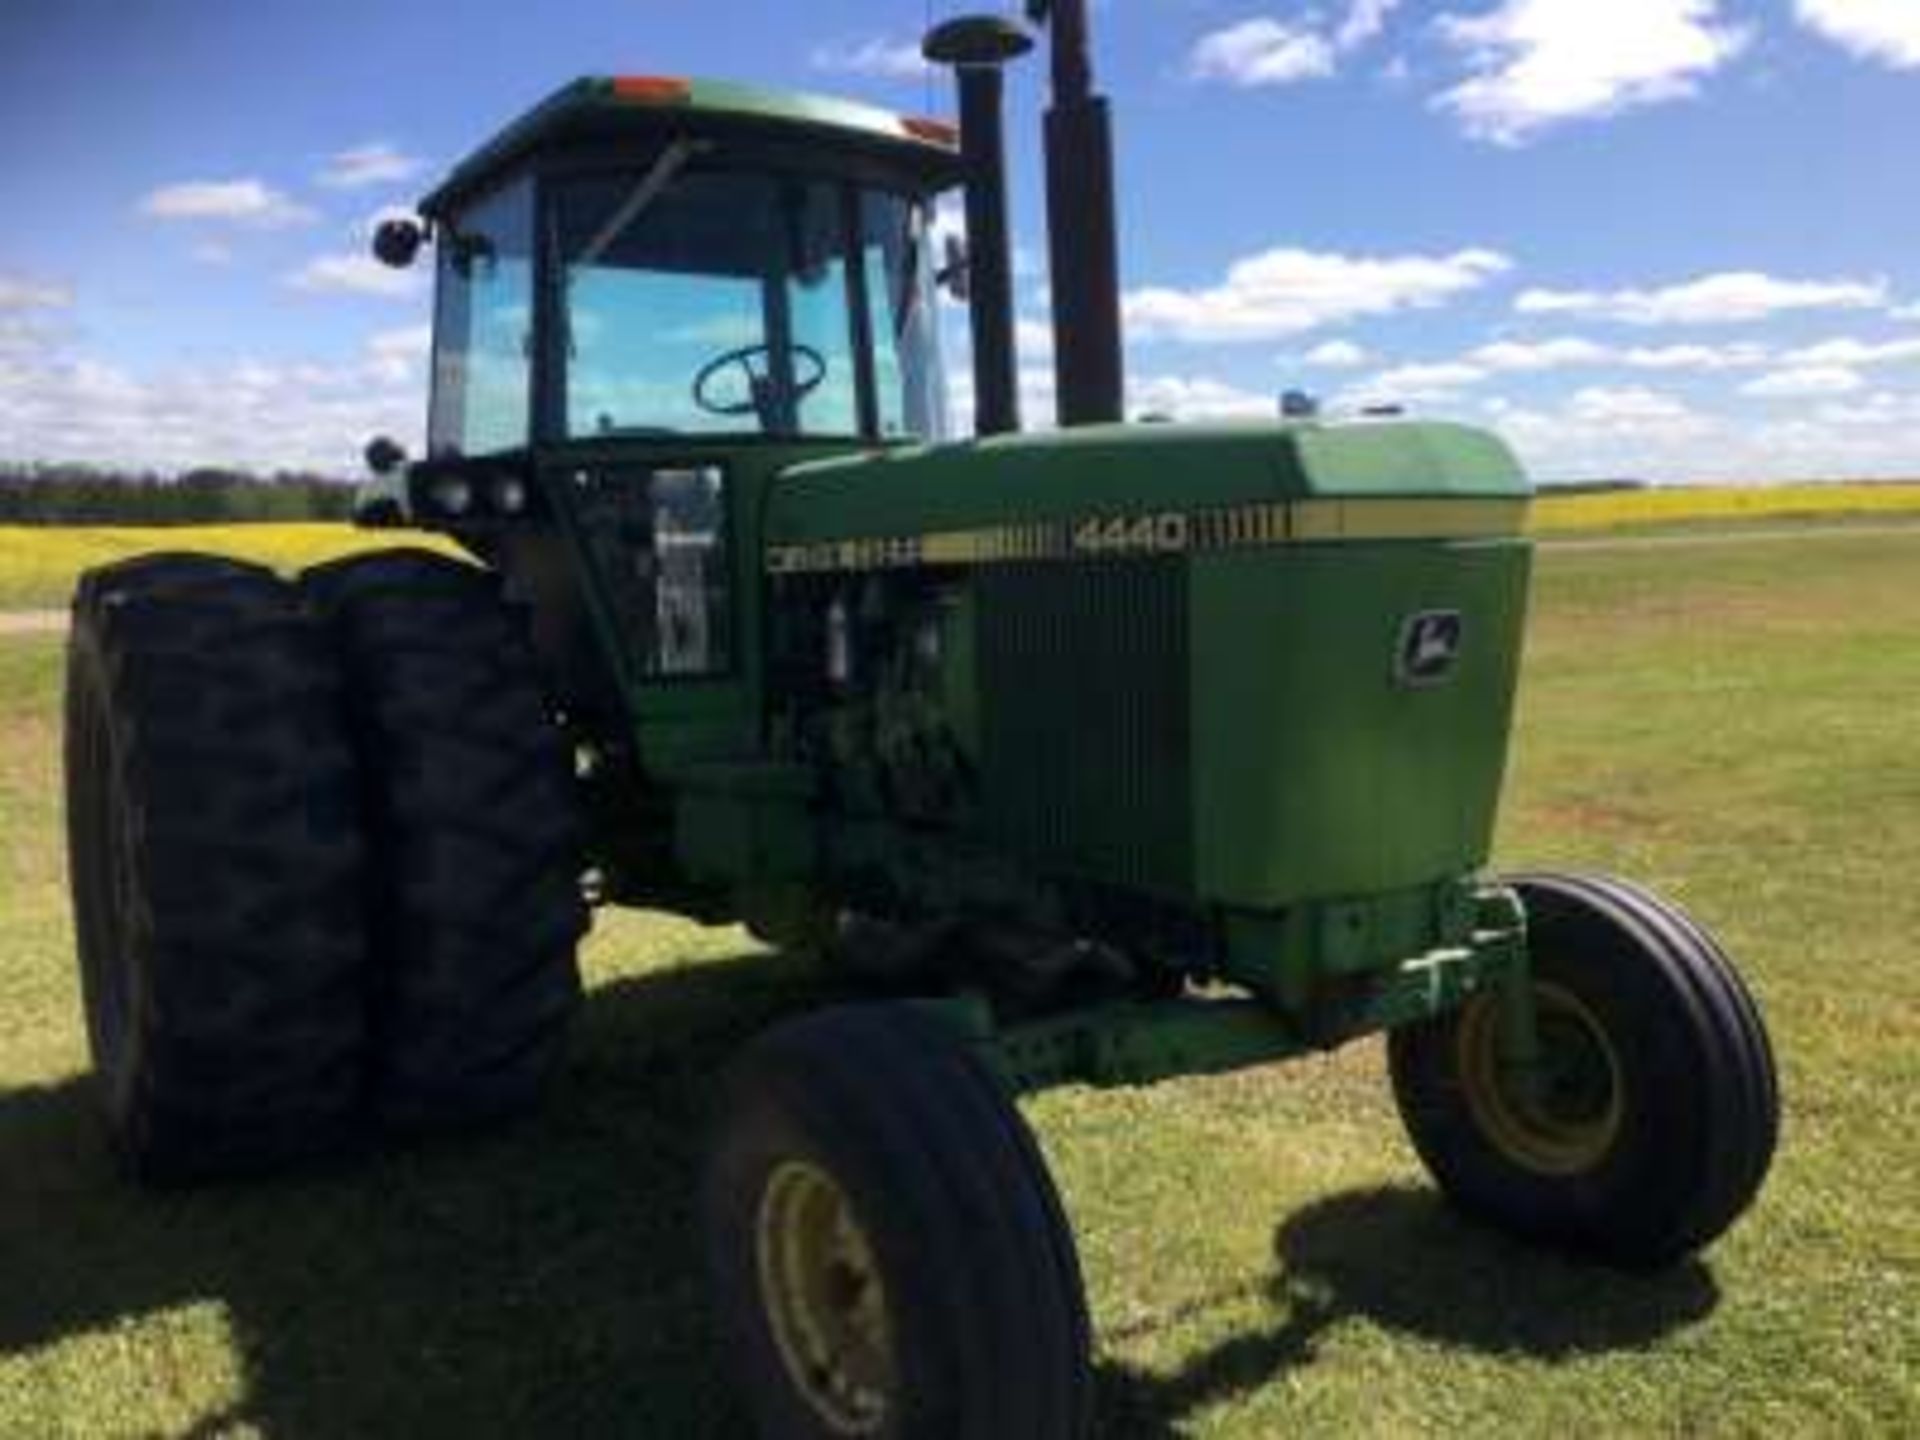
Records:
x=825, y=1304
x=1567, y=1122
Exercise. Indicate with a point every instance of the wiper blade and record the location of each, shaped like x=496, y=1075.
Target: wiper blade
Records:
x=652, y=185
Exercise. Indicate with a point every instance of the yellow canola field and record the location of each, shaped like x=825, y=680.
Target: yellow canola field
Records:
x=1737, y=503
x=38, y=563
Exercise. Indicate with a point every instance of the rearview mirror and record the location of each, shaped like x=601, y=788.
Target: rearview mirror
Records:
x=955, y=274
x=383, y=456
x=397, y=242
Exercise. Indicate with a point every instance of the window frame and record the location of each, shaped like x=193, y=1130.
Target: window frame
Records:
x=450, y=225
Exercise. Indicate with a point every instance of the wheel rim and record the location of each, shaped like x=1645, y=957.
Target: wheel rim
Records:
x=1567, y=1123
x=826, y=1305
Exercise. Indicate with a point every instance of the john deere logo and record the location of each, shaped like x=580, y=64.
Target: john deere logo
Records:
x=1429, y=648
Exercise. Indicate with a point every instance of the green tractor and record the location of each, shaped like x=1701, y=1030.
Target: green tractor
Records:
x=1106, y=754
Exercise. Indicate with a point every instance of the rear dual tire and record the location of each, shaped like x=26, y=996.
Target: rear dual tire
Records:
x=474, y=838
x=216, y=865
x=324, y=863
x=1657, y=1111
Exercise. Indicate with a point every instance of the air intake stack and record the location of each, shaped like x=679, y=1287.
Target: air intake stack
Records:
x=1083, y=249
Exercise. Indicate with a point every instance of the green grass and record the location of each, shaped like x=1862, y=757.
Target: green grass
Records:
x=1734, y=724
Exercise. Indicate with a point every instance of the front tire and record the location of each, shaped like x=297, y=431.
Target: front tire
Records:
x=1656, y=1113
x=886, y=1246
x=215, y=863
x=474, y=832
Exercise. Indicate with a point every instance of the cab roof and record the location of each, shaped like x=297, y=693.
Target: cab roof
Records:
x=605, y=111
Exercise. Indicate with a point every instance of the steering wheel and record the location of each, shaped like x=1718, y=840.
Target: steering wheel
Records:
x=761, y=395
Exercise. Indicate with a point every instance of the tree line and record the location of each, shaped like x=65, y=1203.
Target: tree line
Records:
x=72, y=494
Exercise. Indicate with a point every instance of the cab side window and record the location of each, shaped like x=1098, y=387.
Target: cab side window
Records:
x=483, y=328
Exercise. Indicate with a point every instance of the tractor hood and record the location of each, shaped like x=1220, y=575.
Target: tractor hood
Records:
x=1129, y=470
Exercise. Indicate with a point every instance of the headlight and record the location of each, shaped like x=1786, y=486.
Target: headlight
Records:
x=451, y=495
x=510, y=495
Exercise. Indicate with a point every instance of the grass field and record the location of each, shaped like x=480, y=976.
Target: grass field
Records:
x=1733, y=723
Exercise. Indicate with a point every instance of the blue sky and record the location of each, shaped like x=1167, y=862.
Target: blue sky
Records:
x=1666, y=238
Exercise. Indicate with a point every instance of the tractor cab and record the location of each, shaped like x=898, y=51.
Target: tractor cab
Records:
x=677, y=263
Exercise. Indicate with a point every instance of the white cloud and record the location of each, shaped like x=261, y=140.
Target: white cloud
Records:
x=1628, y=405
x=877, y=58
x=1570, y=352
x=1853, y=353
x=1365, y=19
x=1035, y=384
x=1881, y=408
x=63, y=406
x=715, y=332
x=354, y=274
x=1197, y=397
x=1268, y=51
x=1805, y=381
x=1637, y=433
x=234, y=202
x=1884, y=30
x=377, y=163
x=1261, y=51
x=1034, y=338
x=1434, y=382
x=1337, y=355
x=1614, y=433
x=1285, y=292
x=1727, y=298
x=1511, y=355
x=18, y=294
x=1695, y=357
x=1535, y=64
x=212, y=252
x=395, y=355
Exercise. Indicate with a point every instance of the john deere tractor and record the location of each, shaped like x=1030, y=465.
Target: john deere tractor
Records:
x=1103, y=754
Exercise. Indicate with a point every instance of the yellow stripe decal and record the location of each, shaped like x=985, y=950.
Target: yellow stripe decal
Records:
x=1165, y=532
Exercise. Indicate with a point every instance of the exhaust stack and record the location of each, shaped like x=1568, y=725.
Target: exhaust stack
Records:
x=978, y=47
x=1083, y=248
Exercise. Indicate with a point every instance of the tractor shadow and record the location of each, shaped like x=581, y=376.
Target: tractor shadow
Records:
x=542, y=1281
x=1400, y=1259
x=546, y=1280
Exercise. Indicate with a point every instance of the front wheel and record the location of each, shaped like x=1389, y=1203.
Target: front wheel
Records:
x=1651, y=1119
x=886, y=1247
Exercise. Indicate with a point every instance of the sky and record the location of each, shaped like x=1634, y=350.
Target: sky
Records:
x=1658, y=239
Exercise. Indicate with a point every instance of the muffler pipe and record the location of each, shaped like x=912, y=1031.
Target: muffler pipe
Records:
x=978, y=47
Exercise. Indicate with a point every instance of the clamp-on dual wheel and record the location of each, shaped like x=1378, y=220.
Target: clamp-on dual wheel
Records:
x=325, y=852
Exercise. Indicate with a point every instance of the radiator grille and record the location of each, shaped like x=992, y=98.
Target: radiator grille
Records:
x=1083, y=683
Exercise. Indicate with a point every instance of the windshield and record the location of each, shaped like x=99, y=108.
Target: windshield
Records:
x=713, y=302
